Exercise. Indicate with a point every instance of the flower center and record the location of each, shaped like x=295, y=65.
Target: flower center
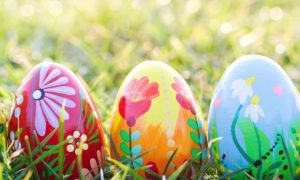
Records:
x=250, y=80
x=38, y=94
x=255, y=100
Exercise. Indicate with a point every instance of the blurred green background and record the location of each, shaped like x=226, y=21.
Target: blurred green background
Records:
x=101, y=41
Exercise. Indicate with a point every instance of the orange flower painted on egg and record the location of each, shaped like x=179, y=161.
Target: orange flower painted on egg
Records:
x=137, y=98
x=183, y=96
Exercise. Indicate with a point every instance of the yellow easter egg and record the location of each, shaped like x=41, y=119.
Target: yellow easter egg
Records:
x=154, y=114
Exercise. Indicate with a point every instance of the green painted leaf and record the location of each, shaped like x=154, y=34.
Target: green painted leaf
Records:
x=195, y=153
x=93, y=136
x=124, y=135
x=1, y=128
x=91, y=128
x=95, y=141
x=194, y=137
x=124, y=147
x=91, y=117
x=124, y=159
x=249, y=130
x=193, y=124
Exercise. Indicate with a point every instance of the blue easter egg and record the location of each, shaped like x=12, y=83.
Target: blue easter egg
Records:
x=254, y=121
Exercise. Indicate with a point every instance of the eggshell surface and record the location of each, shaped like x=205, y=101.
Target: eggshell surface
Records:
x=155, y=113
x=36, y=112
x=255, y=111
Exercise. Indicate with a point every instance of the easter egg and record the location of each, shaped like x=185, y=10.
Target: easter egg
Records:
x=254, y=121
x=154, y=114
x=48, y=95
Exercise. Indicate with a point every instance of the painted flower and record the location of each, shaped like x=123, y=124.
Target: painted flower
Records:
x=217, y=102
x=17, y=144
x=74, y=142
x=184, y=96
x=254, y=110
x=49, y=98
x=96, y=166
x=18, y=101
x=242, y=88
x=136, y=101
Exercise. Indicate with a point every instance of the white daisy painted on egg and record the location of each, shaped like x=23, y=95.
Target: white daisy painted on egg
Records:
x=18, y=101
x=74, y=142
x=49, y=97
x=242, y=89
x=254, y=110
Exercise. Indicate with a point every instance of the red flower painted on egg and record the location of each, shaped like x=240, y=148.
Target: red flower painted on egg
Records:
x=49, y=98
x=137, y=98
x=183, y=96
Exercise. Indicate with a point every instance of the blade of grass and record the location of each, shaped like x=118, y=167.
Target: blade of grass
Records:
x=79, y=161
x=61, y=139
x=28, y=148
x=233, y=174
x=15, y=154
x=112, y=144
x=178, y=171
x=200, y=174
x=38, y=160
x=169, y=161
x=49, y=168
x=122, y=166
x=44, y=142
x=28, y=175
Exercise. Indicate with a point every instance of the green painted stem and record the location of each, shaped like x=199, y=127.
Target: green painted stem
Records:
x=235, y=141
x=288, y=157
x=259, y=151
x=130, y=148
x=199, y=139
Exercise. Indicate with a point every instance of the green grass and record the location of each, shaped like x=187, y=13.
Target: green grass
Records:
x=101, y=41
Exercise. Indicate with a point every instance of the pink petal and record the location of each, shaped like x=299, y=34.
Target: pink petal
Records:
x=43, y=72
x=52, y=119
x=87, y=174
x=53, y=74
x=94, y=166
x=278, y=90
x=40, y=123
x=60, y=81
